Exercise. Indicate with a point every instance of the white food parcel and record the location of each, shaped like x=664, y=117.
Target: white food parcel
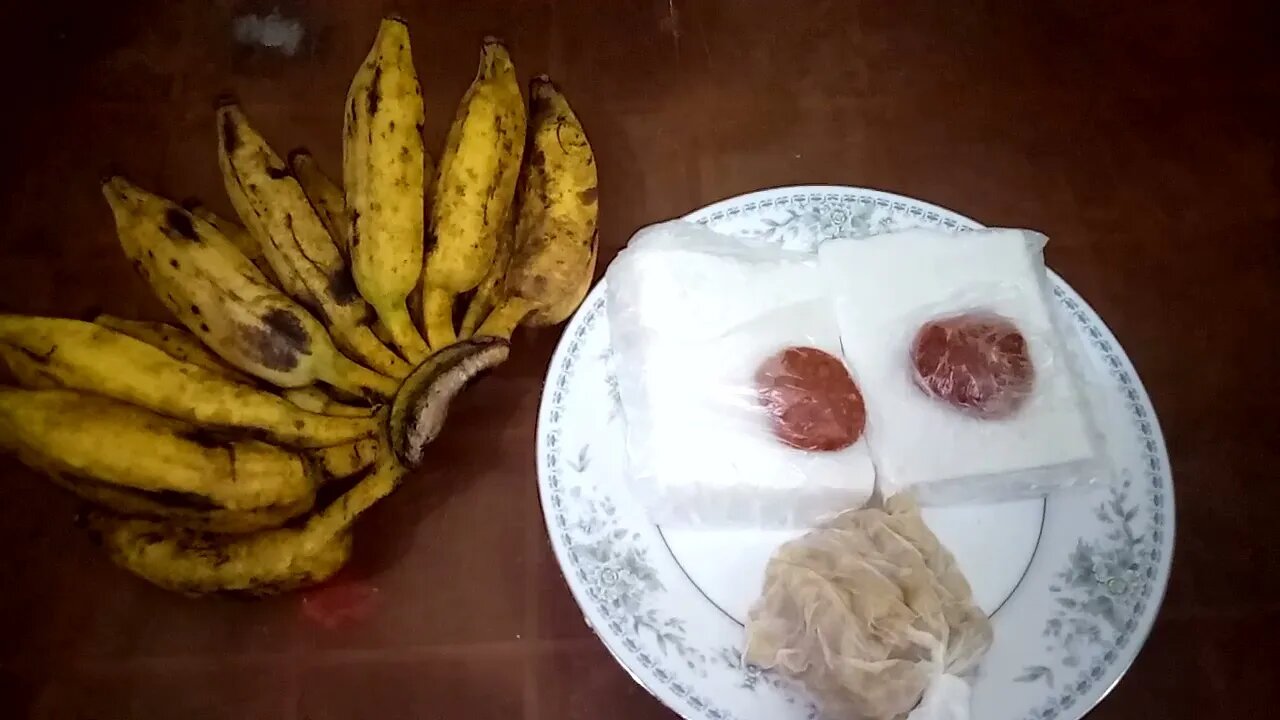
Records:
x=885, y=288
x=692, y=315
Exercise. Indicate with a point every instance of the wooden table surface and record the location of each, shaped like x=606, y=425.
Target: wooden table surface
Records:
x=1141, y=137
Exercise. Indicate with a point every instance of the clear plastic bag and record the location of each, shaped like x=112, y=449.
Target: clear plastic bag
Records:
x=871, y=614
x=954, y=342
x=739, y=410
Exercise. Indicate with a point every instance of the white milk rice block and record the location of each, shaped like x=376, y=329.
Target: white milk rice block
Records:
x=885, y=288
x=692, y=316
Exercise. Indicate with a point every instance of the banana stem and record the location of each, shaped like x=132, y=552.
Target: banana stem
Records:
x=343, y=511
x=437, y=316
x=504, y=320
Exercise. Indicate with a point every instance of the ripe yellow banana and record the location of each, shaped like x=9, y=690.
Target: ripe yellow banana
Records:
x=164, y=507
x=554, y=254
x=474, y=188
x=238, y=236
x=340, y=461
x=107, y=440
x=294, y=239
x=218, y=294
x=260, y=564
x=176, y=342
x=195, y=563
x=93, y=359
x=325, y=196
x=383, y=165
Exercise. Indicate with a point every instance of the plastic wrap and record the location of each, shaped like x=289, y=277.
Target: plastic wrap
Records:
x=871, y=614
x=738, y=407
x=971, y=392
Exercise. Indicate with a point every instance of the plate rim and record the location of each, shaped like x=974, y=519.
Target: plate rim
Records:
x=947, y=218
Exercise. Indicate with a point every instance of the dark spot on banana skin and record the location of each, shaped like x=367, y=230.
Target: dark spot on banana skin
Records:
x=207, y=438
x=375, y=93
x=355, y=224
x=352, y=120
x=539, y=284
x=230, y=137
x=343, y=287
x=280, y=341
x=41, y=358
x=195, y=310
x=204, y=328
x=175, y=264
x=180, y=222
x=588, y=196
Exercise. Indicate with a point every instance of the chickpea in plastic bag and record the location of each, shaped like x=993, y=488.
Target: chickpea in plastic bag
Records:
x=873, y=616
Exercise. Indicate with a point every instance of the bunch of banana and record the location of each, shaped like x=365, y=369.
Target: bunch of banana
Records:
x=297, y=364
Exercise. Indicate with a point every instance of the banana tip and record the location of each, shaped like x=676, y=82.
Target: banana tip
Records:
x=114, y=185
x=299, y=155
x=225, y=100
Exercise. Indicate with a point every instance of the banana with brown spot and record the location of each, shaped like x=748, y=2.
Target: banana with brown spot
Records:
x=221, y=297
x=554, y=255
x=90, y=358
x=111, y=441
x=294, y=239
x=263, y=563
x=474, y=189
x=176, y=342
x=383, y=167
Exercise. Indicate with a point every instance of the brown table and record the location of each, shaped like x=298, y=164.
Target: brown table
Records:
x=1143, y=140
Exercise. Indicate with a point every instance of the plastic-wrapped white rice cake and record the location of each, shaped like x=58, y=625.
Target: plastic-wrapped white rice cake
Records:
x=694, y=316
x=970, y=394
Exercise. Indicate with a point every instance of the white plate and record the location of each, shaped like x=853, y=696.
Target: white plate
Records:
x=1073, y=582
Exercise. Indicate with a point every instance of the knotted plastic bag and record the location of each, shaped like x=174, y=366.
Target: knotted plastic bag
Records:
x=871, y=614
